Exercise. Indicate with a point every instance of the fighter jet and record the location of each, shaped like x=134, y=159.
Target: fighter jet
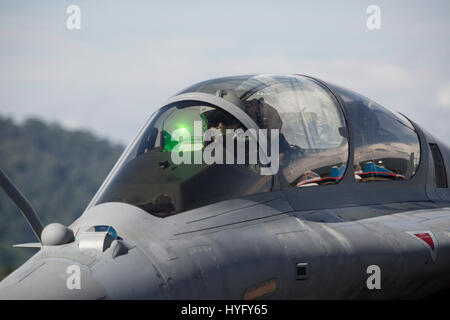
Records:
x=255, y=187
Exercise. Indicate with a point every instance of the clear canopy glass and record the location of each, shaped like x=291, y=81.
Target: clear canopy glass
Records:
x=311, y=131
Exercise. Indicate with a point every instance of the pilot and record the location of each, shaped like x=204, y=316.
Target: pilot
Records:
x=266, y=117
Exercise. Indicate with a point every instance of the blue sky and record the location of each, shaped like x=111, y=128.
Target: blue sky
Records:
x=130, y=56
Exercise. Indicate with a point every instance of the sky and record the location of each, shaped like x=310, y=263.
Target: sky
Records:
x=128, y=57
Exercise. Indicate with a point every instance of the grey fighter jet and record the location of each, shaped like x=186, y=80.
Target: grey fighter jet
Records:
x=256, y=187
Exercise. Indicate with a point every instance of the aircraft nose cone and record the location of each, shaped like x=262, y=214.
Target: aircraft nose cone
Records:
x=51, y=280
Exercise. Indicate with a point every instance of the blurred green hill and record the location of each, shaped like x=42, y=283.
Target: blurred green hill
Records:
x=58, y=170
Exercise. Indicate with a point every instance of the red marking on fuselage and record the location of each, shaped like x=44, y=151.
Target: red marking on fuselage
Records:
x=426, y=237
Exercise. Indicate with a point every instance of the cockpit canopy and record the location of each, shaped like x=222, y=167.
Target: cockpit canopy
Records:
x=188, y=154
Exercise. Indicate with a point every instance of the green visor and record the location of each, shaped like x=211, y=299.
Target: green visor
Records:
x=178, y=133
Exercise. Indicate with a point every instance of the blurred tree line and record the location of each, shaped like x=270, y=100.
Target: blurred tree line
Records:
x=59, y=172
